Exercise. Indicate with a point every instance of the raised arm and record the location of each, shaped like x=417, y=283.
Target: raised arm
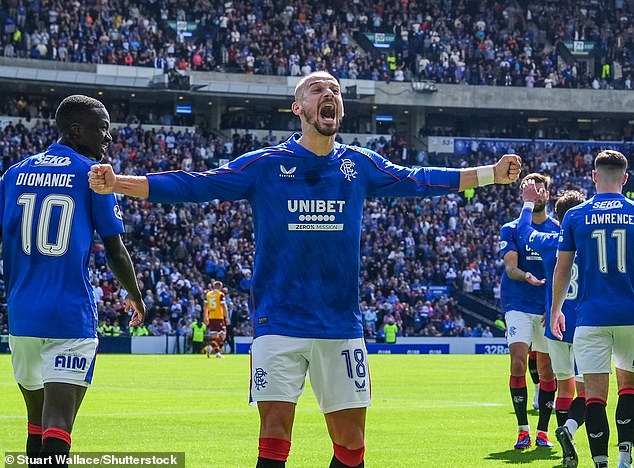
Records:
x=103, y=180
x=233, y=181
x=541, y=242
x=387, y=179
x=505, y=171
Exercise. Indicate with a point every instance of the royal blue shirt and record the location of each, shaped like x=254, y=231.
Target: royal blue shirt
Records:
x=545, y=244
x=49, y=216
x=307, y=212
x=601, y=231
x=520, y=295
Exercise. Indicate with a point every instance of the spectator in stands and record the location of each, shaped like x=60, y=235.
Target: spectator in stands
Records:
x=477, y=331
x=503, y=52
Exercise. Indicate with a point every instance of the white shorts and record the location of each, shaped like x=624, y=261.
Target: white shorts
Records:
x=37, y=361
x=562, y=359
x=522, y=327
x=594, y=347
x=338, y=371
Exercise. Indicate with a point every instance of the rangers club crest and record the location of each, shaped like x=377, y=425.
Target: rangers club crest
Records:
x=259, y=378
x=347, y=167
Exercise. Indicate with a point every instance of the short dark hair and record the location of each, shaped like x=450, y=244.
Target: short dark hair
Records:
x=301, y=84
x=74, y=109
x=538, y=178
x=567, y=200
x=611, y=159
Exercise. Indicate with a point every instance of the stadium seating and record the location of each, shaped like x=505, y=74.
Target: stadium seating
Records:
x=569, y=43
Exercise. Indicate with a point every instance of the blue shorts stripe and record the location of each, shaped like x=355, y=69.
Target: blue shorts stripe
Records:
x=91, y=369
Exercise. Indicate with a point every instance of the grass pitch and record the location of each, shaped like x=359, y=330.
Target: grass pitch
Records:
x=427, y=411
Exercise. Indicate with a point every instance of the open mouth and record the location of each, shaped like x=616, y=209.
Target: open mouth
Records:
x=328, y=112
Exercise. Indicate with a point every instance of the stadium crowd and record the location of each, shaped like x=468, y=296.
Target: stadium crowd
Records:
x=481, y=42
x=407, y=245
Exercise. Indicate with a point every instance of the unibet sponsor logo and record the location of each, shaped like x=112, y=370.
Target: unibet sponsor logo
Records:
x=70, y=362
x=316, y=215
x=531, y=254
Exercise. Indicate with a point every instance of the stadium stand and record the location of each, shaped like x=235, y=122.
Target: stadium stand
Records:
x=571, y=44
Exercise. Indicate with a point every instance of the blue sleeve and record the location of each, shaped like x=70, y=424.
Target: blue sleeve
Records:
x=540, y=242
x=507, y=240
x=107, y=217
x=1, y=199
x=233, y=181
x=566, y=239
x=387, y=179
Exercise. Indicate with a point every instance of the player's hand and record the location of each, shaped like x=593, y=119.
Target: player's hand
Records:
x=530, y=193
x=139, y=311
x=507, y=169
x=101, y=178
x=557, y=324
x=533, y=280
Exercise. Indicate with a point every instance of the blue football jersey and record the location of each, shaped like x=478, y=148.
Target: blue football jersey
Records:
x=545, y=244
x=520, y=295
x=49, y=216
x=601, y=231
x=307, y=212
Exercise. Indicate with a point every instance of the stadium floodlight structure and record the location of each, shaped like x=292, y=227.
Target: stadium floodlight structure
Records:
x=424, y=86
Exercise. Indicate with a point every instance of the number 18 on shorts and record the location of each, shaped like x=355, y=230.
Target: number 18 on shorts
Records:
x=337, y=368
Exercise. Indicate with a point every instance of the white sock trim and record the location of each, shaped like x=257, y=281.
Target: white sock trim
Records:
x=572, y=426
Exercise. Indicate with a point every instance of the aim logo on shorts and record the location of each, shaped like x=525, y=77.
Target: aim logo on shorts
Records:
x=70, y=362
